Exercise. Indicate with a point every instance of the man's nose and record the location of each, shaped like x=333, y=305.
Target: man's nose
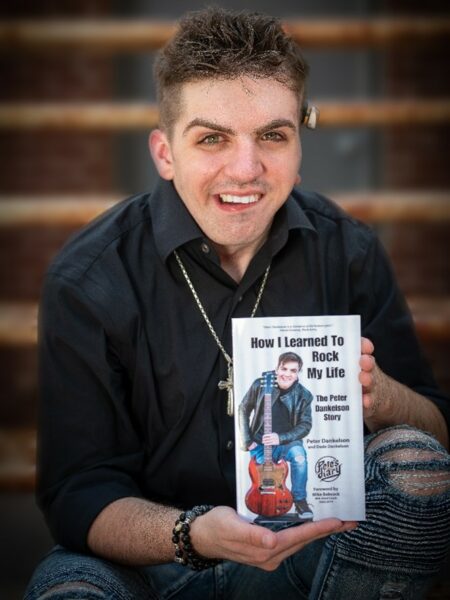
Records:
x=244, y=162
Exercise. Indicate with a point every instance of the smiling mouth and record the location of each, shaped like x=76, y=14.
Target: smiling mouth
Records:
x=230, y=199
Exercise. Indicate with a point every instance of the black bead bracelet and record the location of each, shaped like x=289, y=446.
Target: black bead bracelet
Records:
x=184, y=550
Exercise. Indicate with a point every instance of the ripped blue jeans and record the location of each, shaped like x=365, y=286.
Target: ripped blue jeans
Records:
x=393, y=555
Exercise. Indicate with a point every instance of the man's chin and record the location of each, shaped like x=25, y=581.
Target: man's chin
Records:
x=286, y=386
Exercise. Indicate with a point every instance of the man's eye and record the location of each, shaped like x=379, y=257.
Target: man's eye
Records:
x=211, y=139
x=273, y=136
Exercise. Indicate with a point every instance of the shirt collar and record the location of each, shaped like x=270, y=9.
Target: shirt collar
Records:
x=173, y=225
x=296, y=217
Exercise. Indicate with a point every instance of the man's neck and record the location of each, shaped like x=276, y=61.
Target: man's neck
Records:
x=235, y=260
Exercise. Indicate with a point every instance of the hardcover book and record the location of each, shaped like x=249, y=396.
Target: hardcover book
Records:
x=298, y=418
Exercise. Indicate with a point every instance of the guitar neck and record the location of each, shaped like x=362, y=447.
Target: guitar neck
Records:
x=267, y=426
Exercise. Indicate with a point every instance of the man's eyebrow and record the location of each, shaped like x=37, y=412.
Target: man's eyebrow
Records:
x=277, y=124
x=208, y=125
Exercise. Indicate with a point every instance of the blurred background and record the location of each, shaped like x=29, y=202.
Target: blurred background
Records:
x=76, y=106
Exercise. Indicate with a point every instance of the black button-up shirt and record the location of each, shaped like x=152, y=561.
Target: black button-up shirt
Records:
x=129, y=370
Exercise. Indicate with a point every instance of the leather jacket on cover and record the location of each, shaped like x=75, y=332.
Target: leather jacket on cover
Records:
x=298, y=402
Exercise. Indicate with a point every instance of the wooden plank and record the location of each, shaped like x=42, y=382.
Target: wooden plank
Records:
x=57, y=211
x=383, y=206
x=17, y=459
x=367, y=33
x=133, y=116
x=431, y=317
x=383, y=113
x=78, y=116
x=18, y=320
x=396, y=206
x=18, y=324
x=108, y=35
x=133, y=35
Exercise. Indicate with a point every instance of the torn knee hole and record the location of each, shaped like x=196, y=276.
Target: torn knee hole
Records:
x=412, y=455
x=398, y=436
x=421, y=483
x=414, y=466
x=300, y=459
x=74, y=587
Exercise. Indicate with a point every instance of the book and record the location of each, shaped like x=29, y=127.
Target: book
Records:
x=298, y=418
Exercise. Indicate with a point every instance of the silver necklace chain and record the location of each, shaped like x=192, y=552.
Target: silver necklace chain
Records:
x=228, y=383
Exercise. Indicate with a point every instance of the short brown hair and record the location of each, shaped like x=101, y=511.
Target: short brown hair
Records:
x=219, y=44
x=290, y=357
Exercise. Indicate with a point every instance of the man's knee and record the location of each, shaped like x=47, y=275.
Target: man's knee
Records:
x=64, y=574
x=73, y=590
x=407, y=528
x=300, y=458
x=409, y=460
x=296, y=454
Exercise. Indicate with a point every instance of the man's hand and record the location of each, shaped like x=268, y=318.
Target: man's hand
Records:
x=387, y=402
x=368, y=377
x=222, y=533
x=271, y=439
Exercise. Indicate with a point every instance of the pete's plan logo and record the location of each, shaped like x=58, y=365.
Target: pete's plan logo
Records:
x=328, y=468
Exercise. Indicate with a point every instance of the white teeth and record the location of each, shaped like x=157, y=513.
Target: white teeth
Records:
x=239, y=199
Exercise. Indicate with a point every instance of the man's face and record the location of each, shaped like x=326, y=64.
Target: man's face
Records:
x=287, y=374
x=233, y=155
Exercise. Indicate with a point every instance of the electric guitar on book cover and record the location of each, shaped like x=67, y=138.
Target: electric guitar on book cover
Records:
x=268, y=495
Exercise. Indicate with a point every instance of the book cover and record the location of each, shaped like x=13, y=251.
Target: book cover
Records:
x=298, y=418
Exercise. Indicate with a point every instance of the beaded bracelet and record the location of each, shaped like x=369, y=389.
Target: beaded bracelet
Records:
x=184, y=550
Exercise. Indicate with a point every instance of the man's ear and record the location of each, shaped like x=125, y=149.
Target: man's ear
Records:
x=160, y=150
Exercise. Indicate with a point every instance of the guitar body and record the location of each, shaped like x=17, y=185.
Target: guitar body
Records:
x=268, y=495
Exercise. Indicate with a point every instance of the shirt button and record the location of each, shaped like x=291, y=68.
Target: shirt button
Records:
x=205, y=247
x=230, y=445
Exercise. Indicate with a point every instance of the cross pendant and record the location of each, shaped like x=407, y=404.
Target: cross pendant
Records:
x=227, y=385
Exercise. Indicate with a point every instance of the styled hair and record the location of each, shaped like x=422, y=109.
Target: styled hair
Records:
x=290, y=357
x=215, y=43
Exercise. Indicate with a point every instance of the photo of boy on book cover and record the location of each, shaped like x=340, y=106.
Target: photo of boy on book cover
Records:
x=274, y=417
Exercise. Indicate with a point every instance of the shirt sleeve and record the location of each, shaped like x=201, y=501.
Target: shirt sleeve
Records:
x=304, y=419
x=387, y=321
x=247, y=405
x=88, y=451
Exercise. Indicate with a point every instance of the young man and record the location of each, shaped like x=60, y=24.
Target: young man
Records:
x=135, y=336
x=291, y=422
